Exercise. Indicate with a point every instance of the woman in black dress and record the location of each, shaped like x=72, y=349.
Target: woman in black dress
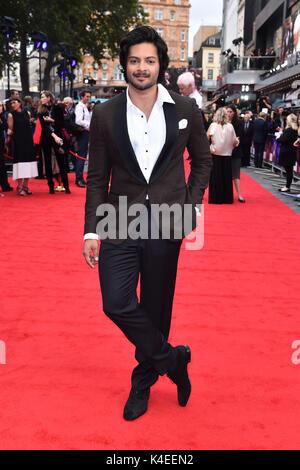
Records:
x=3, y=175
x=288, y=152
x=50, y=140
x=25, y=163
x=237, y=151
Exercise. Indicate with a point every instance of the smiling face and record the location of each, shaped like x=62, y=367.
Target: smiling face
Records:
x=15, y=105
x=143, y=66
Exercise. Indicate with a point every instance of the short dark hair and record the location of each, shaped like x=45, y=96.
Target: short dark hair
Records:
x=84, y=92
x=145, y=34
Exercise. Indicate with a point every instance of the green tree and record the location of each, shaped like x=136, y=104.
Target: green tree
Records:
x=90, y=26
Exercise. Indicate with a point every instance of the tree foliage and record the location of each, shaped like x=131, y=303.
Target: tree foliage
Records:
x=89, y=26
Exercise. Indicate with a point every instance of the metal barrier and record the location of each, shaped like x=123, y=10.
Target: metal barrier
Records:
x=271, y=155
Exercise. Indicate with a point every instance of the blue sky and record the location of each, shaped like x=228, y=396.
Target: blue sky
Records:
x=205, y=12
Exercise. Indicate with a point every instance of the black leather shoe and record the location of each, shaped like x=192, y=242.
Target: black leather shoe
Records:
x=137, y=404
x=80, y=184
x=67, y=191
x=6, y=189
x=51, y=191
x=180, y=374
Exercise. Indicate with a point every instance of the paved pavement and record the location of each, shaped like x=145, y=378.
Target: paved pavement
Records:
x=272, y=181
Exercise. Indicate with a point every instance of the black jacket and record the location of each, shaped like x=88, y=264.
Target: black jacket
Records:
x=288, y=153
x=247, y=135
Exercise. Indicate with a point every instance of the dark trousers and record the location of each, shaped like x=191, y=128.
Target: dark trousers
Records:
x=259, y=154
x=3, y=174
x=289, y=175
x=246, y=155
x=83, y=143
x=47, y=146
x=146, y=323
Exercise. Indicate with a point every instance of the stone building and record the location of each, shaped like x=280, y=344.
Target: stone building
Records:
x=170, y=18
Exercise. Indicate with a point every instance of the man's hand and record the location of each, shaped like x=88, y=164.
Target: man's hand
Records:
x=90, y=252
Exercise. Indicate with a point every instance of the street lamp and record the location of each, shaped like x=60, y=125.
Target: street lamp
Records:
x=40, y=41
x=8, y=29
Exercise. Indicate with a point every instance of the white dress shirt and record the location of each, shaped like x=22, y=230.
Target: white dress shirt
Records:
x=147, y=137
x=82, y=116
x=196, y=95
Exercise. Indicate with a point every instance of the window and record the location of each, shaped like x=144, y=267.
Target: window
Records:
x=210, y=57
x=172, y=15
x=158, y=14
x=173, y=53
x=177, y=2
x=95, y=76
x=210, y=74
x=183, y=35
x=118, y=75
x=212, y=41
x=104, y=76
x=182, y=54
x=159, y=31
x=104, y=66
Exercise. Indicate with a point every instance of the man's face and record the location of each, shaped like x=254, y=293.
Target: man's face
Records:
x=185, y=90
x=246, y=118
x=67, y=103
x=143, y=66
x=86, y=98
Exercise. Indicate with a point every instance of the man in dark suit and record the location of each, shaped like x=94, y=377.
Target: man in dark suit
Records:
x=246, y=140
x=260, y=133
x=137, y=139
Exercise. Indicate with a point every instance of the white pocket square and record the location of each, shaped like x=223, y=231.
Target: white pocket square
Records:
x=182, y=124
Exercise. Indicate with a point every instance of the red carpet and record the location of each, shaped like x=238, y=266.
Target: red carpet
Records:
x=236, y=305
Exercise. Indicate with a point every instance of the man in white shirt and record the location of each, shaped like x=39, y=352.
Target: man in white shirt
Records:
x=137, y=140
x=187, y=87
x=82, y=119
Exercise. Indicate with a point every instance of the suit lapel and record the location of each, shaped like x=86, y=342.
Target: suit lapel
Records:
x=172, y=133
x=123, y=141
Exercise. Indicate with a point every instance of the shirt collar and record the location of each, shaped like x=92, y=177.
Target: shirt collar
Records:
x=163, y=96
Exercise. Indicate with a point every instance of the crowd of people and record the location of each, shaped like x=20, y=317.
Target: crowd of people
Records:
x=232, y=138
x=49, y=138
x=45, y=138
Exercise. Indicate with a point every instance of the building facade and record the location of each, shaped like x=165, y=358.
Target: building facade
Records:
x=170, y=18
x=202, y=34
x=208, y=60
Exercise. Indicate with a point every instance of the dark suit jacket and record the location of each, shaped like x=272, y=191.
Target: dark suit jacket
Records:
x=260, y=131
x=111, y=155
x=247, y=135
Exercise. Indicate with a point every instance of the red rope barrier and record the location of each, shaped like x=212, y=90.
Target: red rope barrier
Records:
x=75, y=155
x=7, y=156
